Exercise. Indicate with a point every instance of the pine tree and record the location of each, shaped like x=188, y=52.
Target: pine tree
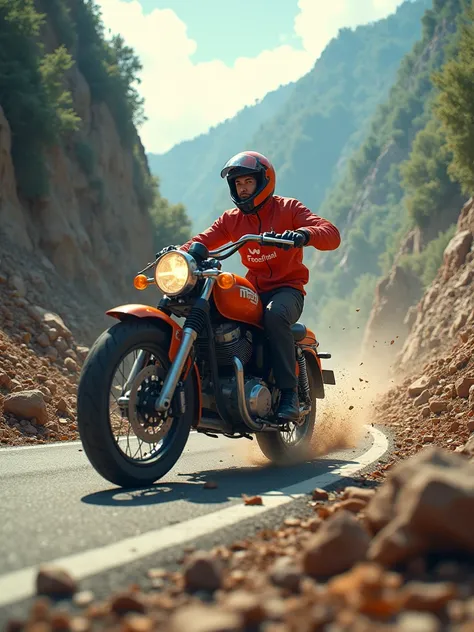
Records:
x=455, y=105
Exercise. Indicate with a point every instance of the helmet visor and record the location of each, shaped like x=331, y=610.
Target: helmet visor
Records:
x=241, y=161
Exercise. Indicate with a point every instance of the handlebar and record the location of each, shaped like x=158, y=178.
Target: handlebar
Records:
x=231, y=248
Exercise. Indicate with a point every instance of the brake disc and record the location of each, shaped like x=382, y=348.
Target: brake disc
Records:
x=147, y=430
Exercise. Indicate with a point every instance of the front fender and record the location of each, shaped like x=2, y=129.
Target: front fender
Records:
x=146, y=311
x=176, y=331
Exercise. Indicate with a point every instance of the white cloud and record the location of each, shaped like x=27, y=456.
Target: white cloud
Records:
x=318, y=21
x=184, y=99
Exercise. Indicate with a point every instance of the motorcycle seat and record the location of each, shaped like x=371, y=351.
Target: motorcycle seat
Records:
x=299, y=331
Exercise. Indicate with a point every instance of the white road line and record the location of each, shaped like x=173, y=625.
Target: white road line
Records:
x=56, y=444
x=21, y=584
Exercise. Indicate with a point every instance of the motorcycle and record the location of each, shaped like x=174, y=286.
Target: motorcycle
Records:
x=211, y=375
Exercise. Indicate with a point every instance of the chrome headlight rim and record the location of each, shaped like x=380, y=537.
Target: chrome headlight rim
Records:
x=191, y=279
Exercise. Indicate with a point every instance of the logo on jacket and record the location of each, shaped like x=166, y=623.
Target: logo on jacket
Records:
x=262, y=258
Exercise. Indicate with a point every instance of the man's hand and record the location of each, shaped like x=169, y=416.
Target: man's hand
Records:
x=164, y=250
x=298, y=238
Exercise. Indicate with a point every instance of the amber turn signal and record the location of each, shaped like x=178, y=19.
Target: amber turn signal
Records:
x=140, y=282
x=226, y=280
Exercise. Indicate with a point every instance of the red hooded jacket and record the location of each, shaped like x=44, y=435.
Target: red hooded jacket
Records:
x=270, y=267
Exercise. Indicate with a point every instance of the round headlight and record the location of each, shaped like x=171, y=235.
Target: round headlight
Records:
x=174, y=273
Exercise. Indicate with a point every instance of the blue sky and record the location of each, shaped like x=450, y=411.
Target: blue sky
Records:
x=229, y=30
x=204, y=60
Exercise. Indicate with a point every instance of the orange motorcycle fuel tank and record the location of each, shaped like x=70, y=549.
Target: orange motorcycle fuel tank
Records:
x=240, y=302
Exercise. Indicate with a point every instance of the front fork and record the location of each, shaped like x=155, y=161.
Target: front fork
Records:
x=191, y=329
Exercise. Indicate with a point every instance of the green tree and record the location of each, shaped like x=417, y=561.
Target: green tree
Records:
x=35, y=103
x=428, y=188
x=127, y=69
x=170, y=222
x=53, y=68
x=455, y=106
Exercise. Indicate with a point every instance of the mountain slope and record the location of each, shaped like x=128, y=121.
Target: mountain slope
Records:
x=394, y=203
x=327, y=114
x=307, y=129
x=189, y=172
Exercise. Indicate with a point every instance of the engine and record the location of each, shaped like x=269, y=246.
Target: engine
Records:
x=257, y=396
x=230, y=341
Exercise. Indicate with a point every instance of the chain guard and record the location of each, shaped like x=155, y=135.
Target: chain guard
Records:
x=155, y=431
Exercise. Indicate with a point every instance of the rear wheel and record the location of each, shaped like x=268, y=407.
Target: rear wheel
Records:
x=123, y=438
x=288, y=448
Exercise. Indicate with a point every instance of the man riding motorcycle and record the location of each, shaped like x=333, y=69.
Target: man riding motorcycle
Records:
x=278, y=276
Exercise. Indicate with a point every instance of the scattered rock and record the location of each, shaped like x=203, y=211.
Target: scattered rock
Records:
x=205, y=619
x=252, y=500
x=420, y=385
x=127, y=602
x=339, y=543
x=27, y=405
x=431, y=493
x=430, y=597
x=463, y=386
x=71, y=365
x=55, y=581
x=285, y=573
x=320, y=494
x=43, y=340
x=202, y=571
x=424, y=398
x=438, y=406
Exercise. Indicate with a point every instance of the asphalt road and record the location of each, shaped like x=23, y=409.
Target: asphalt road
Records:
x=55, y=507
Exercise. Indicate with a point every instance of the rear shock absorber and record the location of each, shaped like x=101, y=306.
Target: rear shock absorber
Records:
x=303, y=376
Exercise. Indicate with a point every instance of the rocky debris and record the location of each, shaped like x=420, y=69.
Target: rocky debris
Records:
x=202, y=572
x=423, y=506
x=54, y=581
x=39, y=367
x=403, y=562
x=340, y=543
x=27, y=405
x=394, y=295
x=320, y=494
x=434, y=407
x=448, y=305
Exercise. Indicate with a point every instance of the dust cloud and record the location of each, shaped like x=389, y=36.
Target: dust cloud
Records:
x=341, y=416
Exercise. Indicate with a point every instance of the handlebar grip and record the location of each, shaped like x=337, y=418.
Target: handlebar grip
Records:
x=274, y=240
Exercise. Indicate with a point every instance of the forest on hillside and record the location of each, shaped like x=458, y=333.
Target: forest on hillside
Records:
x=36, y=98
x=405, y=176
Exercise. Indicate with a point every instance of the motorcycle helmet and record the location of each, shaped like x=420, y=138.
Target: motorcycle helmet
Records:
x=254, y=164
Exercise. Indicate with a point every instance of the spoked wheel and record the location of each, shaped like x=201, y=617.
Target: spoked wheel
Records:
x=123, y=437
x=291, y=444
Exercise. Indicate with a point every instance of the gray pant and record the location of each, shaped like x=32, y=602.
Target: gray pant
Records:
x=283, y=307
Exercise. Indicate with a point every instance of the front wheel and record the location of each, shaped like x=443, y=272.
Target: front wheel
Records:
x=122, y=437
x=288, y=448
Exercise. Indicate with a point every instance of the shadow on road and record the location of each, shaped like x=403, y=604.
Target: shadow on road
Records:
x=231, y=484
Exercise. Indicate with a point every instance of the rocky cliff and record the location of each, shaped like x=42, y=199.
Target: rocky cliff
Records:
x=92, y=231
x=423, y=323
x=448, y=305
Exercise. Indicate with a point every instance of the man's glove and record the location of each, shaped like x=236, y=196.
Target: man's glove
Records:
x=299, y=238
x=164, y=250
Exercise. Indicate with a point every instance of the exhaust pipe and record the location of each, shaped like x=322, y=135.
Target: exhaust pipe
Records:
x=241, y=402
x=214, y=425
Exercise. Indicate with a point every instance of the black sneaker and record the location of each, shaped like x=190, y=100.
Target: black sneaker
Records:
x=289, y=408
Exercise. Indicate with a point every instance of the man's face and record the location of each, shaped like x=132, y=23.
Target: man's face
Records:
x=245, y=186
